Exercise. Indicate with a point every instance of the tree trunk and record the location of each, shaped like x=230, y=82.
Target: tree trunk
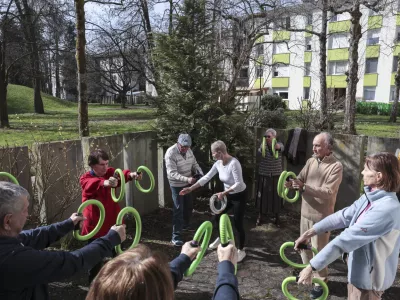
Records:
x=57, y=66
x=323, y=109
x=83, y=114
x=122, y=97
x=350, y=104
x=3, y=88
x=393, y=114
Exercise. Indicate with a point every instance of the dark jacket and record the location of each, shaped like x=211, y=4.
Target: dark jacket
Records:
x=301, y=149
x=25, y=270
x=227, y=284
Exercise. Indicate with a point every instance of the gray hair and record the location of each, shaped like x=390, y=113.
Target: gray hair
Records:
x=10, y=194
x=329, y=141
x=272, y=131
x=218, y=146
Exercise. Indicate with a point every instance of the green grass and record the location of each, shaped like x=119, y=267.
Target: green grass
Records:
x=60, y=121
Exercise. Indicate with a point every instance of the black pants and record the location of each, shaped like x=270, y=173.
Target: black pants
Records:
x=238, y=203
x=97, y=267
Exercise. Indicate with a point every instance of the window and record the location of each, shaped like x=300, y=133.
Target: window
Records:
x=283, y=23
x=308, y=43
x=284, y=95
x=337, y=41
x=369, y=93
x=259, y=72
x=259, y=49
x=340, y=17
x=309, y=19
x=244, y=73
x=281, y=71
x=395, y=63
x=371, y=65
x=280, y=48
x=392, y=93
x=373, y=36
x=307, y=67
x=373, y=13
x=281, y=92
x=337, y=67
x=306, y=94
x=334, y=18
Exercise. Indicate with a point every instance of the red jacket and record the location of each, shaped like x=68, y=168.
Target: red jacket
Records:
x=93, y=188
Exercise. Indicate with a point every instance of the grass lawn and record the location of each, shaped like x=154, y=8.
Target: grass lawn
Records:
x=60, y=121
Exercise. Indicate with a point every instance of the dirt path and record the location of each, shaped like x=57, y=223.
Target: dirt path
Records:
x=260, y=275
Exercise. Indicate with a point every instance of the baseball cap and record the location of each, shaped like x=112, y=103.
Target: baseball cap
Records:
x=185, y=140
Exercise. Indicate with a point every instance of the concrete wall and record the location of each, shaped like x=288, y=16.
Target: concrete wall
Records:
x=378, y=144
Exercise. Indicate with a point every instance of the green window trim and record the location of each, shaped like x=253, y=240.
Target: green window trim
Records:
x=398, y=19
x=283, y=58
x=280, y=82
x=260, y=60
x=258, y=83
x=308, y=27
x=392, y=82
x=306, y=81
x=371, y=79
x=336, y=81
x=280, y=35
x=307, y=56
x=372, y=51
x=375, y=22
x=396, y=50
x=338, y=54
x=260, y=40
x=340, y=26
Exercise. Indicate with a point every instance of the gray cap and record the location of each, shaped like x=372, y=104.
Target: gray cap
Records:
x=185, y=140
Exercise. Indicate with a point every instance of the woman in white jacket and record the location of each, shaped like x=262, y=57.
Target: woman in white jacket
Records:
x=372, y=236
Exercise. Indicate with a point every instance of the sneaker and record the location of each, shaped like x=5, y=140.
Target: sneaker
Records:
x=316, y=292
x=241, y=255
x=215, y=244
x=177, y=243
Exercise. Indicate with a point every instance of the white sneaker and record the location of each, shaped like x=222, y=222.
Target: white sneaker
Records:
x=241, y=255
x=215, y=244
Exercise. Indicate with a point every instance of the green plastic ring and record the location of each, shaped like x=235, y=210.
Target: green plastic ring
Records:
x=285, y=191
x=122, y=192
x=280, y=184
x=135, y=213
x=226, y=232
x=99, y=223
x=205, y=231
x=289, y=262
x=9, y=176
x=274, y=152
x=325, y=290
x=151, y=176
x=263, y=146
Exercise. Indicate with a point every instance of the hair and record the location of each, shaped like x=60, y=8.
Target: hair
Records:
x=10, y=202
x=135, y=274
x=271, y=130
x=329, y=141
x=218, y=146
x=389, y=166
x=95, y=156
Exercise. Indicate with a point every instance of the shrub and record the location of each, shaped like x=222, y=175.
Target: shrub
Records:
x=272, y=102
x=374, y=108
x=267, y=118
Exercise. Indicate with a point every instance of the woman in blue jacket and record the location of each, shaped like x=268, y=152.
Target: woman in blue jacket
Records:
x=372, y=236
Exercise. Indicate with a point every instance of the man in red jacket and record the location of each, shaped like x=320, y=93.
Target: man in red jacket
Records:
x=96, y=184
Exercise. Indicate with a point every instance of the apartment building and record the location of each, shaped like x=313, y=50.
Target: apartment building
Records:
x=287, y=63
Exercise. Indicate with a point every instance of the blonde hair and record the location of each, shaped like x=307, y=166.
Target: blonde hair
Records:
x=135, y=274
x=218, y=146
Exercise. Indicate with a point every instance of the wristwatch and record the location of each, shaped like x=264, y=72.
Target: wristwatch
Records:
x=314, y=269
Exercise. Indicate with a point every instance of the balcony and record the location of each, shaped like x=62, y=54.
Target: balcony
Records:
x=242, y=82
x=372, y=51
x=371, y=79
x=280, y=35
x=258, y=83
x=338, y=54
x=308, y=27
x=280, y=82
x=283, y=58
x=307, y=56
x=336, y=81
x=398, y=20
x=341, y=26
x=306, y=81
x=375, y=22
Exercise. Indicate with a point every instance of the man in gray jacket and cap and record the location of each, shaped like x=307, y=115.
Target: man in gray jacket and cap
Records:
x=182, y=171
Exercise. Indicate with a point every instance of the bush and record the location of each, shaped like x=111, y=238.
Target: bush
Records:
x=267, y=118
x=272, y=102
x=374, y=108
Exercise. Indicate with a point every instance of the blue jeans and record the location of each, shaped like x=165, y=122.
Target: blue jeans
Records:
x=182, y=212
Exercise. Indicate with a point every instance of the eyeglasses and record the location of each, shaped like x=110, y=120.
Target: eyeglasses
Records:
x=267, y=136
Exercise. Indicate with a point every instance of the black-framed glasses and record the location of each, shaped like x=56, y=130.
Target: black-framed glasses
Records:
x=267, y=136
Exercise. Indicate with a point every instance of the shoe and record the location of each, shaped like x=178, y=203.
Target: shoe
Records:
x=241, y=255
x=177, y=243
x=215, y=244
x=316, y=292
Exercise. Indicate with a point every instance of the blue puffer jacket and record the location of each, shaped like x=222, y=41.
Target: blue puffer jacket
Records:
x=373, y=243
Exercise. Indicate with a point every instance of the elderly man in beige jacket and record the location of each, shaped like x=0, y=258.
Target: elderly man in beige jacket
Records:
x=319, y=182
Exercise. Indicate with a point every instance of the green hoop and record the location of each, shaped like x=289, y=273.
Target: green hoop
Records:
x=289, y=262
x=283, y=191
x=226, y=232
x=122, y=192
x=204, y=231
x=151, y=176
x=9, y=176
x=97, y=203
x=275, y=153
x=325, y=290
x=134, y=212
x=263, y=146
x=280, y=184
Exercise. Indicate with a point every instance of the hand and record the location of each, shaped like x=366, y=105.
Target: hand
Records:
x=190, y=251
x=136, y=176
x=121, y=230
x=288, y=184
x=277, y=146
x=221, y=195
x=185, y=191
x=297, y=184
x=111, y=182
x=304, y=238
x=76, y=218
x=305, y=276
x=192, y=180
x=227, y=253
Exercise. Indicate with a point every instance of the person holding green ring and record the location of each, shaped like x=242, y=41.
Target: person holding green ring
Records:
x=319, y=183
x=96, y=184
x=268, y=171
x=370, y=242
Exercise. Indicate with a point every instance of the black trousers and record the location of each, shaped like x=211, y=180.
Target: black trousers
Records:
x=238, y=203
